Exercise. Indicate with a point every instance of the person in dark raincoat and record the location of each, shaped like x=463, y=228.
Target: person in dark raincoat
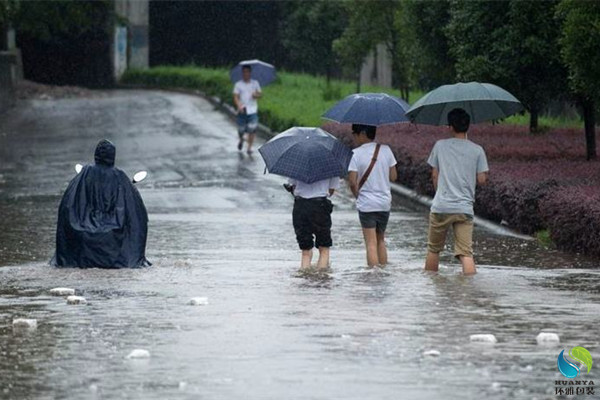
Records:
x=102, y=220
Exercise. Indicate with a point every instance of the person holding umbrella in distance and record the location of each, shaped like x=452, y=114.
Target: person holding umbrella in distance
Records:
x=373, y=165
x=457, y=164
x=314, y=161
x=245, y=94
x=249, y=76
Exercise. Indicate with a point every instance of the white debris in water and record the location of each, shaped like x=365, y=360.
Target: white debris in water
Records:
x=483, y=338
x=527, y=368
x=138, y=353
x=547, y=338
x=24, y=323
x=496, y=386
x=62, y=291
x=198, y=301
x=182, y=385
x=346, y=336
x=76, y=300
x=93, y=388
x=431, y=353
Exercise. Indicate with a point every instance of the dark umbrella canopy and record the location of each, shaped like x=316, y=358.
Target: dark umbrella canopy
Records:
x=263, y=72
x=482, y=101
x=369, y=109
x=306, y=154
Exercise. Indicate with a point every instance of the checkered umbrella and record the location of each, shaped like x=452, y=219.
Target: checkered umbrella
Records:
x=306, y=154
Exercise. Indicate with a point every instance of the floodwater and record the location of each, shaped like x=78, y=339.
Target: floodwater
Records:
x=221, y=229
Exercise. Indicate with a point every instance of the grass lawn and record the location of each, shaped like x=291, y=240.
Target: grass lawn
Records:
x=294, y=99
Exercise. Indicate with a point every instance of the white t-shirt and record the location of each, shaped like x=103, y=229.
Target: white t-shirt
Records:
x=245, y=90
x=375, y=195
x=315, y=189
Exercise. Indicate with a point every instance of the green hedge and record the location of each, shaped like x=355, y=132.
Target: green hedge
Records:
x=293, y=100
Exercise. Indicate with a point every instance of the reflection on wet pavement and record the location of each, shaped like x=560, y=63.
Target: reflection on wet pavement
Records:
x=221, y=229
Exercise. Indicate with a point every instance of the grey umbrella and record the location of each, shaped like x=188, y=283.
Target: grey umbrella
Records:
x=483, y=102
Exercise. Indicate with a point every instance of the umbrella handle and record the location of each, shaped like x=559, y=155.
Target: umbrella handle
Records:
x=416, y=127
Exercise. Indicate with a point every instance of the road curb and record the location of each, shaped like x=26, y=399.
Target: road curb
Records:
x=397, y=188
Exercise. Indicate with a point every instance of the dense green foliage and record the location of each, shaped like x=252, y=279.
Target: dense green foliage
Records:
x=318, y=23
x=579, y=46
x=513, y=44
x=48, y=19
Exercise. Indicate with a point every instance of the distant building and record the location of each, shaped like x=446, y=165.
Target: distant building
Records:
x=377, y=68
x=130, y=44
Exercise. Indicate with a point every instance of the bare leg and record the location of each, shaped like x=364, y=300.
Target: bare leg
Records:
x=432, y=262
x=250, y=141
x=323, y=262
x=371, y=245
x=306, y=259
x=468, y=265
x=381, y=250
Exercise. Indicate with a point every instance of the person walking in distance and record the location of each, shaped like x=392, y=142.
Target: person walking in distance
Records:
x=246, y=92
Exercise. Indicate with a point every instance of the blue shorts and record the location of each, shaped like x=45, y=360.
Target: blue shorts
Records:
x=247, y=123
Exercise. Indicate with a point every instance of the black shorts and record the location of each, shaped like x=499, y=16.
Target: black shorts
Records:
x=312, y=222
x=376, y=219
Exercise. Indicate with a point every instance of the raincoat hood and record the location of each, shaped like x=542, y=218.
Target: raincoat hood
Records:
x=105, y=153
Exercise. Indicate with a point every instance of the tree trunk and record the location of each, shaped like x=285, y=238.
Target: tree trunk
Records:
x=589, y=121
x=358, y=79
x=533, y=120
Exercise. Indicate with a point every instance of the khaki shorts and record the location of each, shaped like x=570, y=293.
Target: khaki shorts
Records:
x=462, y=226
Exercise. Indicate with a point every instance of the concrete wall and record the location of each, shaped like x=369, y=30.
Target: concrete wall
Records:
x=8, y=79
x=377, y=68
x=137, y=14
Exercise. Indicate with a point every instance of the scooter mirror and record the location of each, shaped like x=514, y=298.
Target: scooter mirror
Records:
x=78, y=168
x=140, y=176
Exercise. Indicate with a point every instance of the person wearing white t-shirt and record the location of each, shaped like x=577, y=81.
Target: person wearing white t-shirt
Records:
x=312, y=218
x=372, y=168
x=246, y=92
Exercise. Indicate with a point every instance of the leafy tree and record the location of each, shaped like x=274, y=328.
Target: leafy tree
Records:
x=434, y=64
x=308, y=34
x=378, y=21
x=354, y=44
x=541, y=76
x=579, y=48
x=513, y=44
x=46, y=20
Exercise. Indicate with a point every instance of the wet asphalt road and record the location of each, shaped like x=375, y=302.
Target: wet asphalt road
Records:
x=221, y=229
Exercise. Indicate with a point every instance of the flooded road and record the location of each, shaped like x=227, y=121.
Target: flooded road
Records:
x=221, y=229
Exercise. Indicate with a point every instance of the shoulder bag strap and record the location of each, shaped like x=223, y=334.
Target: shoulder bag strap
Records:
x=368, y=171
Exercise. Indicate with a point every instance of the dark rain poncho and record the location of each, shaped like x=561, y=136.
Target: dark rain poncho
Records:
x=102, y=220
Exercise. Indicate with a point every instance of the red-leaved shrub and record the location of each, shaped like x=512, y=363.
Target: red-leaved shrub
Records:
x=572, y=216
